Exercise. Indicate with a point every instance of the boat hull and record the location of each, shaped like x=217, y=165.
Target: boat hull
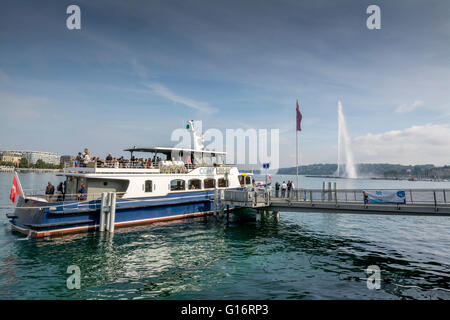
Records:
x=40, y=219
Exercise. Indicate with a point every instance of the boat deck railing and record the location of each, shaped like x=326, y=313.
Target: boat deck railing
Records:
x=59, y=197
x=412, y=196
x=150, y=166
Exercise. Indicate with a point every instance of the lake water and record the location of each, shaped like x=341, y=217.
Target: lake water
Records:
x=301, y=256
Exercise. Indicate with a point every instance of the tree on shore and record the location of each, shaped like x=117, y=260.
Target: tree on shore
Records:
x=23, y=163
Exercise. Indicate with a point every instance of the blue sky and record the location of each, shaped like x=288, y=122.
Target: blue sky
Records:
x=138, y=69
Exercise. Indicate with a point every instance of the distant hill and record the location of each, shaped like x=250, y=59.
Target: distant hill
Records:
x=385, y=170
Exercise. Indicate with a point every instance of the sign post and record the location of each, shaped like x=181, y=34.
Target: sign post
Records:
x=266, y=166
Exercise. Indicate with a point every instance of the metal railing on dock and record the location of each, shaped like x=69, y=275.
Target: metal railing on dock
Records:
x=412, y=196
x=250, y=198
x=431, y=202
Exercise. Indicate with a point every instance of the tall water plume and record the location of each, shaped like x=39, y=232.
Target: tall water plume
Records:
x=344, y=144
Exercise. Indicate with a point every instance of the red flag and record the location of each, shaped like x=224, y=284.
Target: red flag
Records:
x=16, y=190
x=299, y=118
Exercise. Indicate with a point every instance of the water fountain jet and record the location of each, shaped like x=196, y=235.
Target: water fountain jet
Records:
x=345, y=144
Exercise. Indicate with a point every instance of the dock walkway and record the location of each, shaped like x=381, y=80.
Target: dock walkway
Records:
x=429, y=202
x=278, y=204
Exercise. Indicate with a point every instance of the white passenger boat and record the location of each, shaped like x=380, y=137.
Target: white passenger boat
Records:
x=174, y=183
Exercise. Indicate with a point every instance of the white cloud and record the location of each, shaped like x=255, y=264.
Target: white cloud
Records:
x=168, y=94
x=408, y=108
x=422, y=144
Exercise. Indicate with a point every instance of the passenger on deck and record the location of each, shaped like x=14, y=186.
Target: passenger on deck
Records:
x=60, y=191
x=78, y=160
x=100, y=162
x=82, y=194
x=50, y=190
x=115, y=163
x=86, y=157
x=121, y=162
x=109, y=157
x=277, y=189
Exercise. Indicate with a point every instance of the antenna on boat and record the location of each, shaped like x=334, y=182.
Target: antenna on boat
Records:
x=195, y=128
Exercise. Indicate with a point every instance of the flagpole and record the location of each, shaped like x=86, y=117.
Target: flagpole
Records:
x=296, y=155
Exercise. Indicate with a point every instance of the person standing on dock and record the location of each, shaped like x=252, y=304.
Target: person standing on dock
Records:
x=277, y=189
x=289, y=186
x=283, y=189
x=366, y=197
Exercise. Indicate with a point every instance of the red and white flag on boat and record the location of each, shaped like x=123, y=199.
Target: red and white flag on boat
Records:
x=16, y=189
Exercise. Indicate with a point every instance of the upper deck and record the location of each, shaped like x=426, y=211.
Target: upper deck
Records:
x=176, y=160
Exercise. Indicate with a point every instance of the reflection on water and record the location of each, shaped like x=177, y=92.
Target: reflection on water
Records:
x=301, y=256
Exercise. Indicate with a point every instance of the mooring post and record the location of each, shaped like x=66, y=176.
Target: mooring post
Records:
x=445, y=199
x=112, y=213
x=108, y=211
x=323, y=190
x=102, y=211
x=216, y=194
x=277, y=216
x=329, y=191
x=410, y=194
x=435, y=203
x=335, y=192
x=310, y=196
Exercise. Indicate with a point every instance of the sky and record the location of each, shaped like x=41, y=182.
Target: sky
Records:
x=137, y=70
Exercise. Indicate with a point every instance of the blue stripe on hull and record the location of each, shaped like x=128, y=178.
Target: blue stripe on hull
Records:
x=128, y=211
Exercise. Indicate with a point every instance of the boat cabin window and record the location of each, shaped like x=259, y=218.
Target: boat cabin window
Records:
x=209, y=183
x=223, y=183
x=248, y=180
x=178, y=184
x=242, y=180
x=195, y=184
x=148, y=186
x=96, y=186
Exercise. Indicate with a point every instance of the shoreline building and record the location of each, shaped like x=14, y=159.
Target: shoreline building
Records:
x=31, y=156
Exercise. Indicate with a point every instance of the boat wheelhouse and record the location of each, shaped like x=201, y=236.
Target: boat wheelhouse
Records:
x=170, y=183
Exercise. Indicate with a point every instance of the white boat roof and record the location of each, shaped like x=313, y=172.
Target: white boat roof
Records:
x=166, y=150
